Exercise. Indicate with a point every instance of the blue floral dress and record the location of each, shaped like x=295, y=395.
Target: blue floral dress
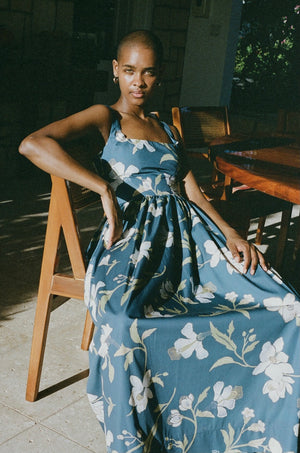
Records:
x=188, y=354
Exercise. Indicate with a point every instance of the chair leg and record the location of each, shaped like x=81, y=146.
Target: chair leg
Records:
x=44, y=302
x=39, y=338
x=87, y=332
x=285, y=222
x=260, y=229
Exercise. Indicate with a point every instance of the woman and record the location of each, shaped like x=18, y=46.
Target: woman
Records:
x=195, y=346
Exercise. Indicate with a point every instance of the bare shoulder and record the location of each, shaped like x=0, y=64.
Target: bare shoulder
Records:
x=98, y=115
x=94, y=117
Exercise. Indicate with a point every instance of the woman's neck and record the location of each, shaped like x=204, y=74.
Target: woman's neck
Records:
x=123, y=107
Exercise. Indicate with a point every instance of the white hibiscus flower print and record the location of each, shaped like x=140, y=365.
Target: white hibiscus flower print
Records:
x=146, y=185
x=155, y=211
x=104, y=340
x=274, y=363
x=204, y=294
x=275, y=447
x=120, y=137
x=123, y=172
x=191, y=343
x=140, y=391
x=224, y=397
x=151, y=313
x=296, y=427
x=247, y=414
x=170, y=239
x=140, y=253
x=276, y=389
x=140, y=144
x=97, y=405
x=221, y=254
x=175, y=418
x=92, y=300
x=87, y=284
x=186, y=402
x=288, y=307
x=109, y=437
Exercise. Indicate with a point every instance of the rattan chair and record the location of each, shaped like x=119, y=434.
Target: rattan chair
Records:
x=198, y=127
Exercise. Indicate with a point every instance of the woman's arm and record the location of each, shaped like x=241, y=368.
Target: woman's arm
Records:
x=43, y=148
x=235, y=243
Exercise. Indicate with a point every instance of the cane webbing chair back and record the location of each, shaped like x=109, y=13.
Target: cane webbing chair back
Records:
x=198, y=126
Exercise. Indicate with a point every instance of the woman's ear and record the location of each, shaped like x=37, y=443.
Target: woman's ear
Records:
x=115, y=68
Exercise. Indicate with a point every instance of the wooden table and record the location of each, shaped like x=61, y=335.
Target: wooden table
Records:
x=268, y=164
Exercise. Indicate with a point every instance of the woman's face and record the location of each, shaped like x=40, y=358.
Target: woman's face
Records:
x=138, y=73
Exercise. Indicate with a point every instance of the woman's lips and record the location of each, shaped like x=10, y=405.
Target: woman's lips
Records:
x=138, y=94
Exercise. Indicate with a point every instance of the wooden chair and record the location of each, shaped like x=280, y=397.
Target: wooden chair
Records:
x=55, y=288
x=198, y=126
x=288, y=123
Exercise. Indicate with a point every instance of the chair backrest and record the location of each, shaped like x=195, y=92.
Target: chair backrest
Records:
x=79, y=197
x=198, y=126
x=288, y=122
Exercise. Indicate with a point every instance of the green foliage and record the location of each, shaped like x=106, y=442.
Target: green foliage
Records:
x=267, y=62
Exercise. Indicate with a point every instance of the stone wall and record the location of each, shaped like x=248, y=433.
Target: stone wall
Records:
x=35, y=46
x=170, y=23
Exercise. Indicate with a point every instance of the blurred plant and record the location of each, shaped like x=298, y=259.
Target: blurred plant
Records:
x=266, y=74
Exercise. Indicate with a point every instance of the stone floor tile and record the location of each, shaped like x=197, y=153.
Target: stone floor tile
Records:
x=40, y=439
x=80, y=414
x=12, y=423
x=63, y=376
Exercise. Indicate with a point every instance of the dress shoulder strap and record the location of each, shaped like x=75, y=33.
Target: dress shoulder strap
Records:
x=169, y=131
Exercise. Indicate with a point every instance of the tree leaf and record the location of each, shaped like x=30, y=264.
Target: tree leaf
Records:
x=244, y=312
x=226, y=438
x=122, y=351
x=134, y=332
x=157, y=380
x=204, y=414
x=257, y=442
x=187, y=260
x=111, y=372
x=222, y=338
x=202, y=395
x=181, y=285
x=231, y=433
x=128, y=360
x=251, y=346
x=185, y=441
x=147, y=333
x=230, y=329
x=223, y=361
x=167, y=157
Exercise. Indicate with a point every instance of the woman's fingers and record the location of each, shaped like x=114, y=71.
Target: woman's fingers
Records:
x=115, y=231
x=113, y=215
x=254, y=260
x=243, y=250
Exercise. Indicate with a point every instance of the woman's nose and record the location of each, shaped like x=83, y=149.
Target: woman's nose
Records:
x=138, y=80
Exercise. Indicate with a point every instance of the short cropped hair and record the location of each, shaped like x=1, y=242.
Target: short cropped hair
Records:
x=145, y=37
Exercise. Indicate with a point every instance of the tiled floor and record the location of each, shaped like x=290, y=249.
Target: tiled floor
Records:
x=62, y=421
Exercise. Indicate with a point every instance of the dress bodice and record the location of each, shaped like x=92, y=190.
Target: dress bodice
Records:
x=135, y=167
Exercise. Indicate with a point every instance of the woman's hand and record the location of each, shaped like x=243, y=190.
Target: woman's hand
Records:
x=113, y=215
x=243, y=250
